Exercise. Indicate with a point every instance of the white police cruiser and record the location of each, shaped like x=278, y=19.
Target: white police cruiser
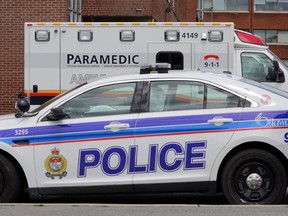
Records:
x=151, y=133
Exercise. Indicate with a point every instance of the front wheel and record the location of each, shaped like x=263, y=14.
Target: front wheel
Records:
x=10, y=181
x=254, y=176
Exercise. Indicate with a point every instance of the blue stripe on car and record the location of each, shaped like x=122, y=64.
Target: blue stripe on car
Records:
x=145, y=127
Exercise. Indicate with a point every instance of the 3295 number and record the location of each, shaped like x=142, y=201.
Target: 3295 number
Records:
x=21, y=132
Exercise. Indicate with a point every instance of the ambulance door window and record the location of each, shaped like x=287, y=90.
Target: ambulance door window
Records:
x=176, y=59
x=256, y=66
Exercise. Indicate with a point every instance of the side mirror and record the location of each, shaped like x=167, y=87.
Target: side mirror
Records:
x=276, y=65
x=56, y=114
x=274, y=73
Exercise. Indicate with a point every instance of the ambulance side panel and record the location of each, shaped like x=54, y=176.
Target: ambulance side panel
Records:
x=65, y=61
x=104, y=56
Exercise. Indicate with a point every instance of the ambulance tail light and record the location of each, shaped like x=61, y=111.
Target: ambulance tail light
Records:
x=250, y=38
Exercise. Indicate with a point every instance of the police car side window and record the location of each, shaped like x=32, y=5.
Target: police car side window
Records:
x=183, y=95
x=106, y=100
x=176, y=95
x=219, y=98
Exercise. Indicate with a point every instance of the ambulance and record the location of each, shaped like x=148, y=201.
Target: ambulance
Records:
x=60, y=56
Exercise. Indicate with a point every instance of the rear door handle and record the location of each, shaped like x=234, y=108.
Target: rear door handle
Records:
x=219, y=120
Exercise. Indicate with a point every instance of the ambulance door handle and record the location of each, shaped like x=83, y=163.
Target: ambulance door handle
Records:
x=116, y=126
x=219, y=120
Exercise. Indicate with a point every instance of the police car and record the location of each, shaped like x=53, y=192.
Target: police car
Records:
x=151, y=133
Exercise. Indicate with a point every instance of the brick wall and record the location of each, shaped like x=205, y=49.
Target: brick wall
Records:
x=116, y=8
x=13, y=14
x=154, y=9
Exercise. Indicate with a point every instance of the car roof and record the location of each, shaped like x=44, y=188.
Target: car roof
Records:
x=226, y=80
x=199, y=75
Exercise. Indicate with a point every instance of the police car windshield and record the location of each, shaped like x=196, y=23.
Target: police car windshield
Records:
x=266, y=87
x=56, y=98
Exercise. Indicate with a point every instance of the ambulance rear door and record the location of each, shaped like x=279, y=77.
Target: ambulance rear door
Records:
x=42, y=62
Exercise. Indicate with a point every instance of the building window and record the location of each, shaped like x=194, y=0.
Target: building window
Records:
x=271, y=5
x=226, y=5
x=75, y=10
x=273, y=36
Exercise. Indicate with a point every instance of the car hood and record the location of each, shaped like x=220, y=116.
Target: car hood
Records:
x=10, y=121
x=7, y=117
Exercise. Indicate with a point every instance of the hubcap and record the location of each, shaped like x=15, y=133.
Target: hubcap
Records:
x=254, y=181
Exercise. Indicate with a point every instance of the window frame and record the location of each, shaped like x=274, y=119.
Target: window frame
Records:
x=211, y=4
x=266, y=4
x=277, y=35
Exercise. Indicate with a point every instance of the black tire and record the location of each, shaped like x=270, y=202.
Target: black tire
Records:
x=254, y=176
x=10, y=181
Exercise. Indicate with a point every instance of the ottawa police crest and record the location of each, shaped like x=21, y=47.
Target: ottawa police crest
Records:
x=55, y=165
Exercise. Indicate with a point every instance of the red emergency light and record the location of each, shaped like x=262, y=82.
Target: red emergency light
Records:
x=250, y=38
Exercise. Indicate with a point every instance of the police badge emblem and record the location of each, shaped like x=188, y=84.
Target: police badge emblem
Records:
x=55, y=164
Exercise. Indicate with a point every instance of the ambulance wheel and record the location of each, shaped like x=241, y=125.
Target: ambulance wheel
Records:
x=254, y=176
x=10, y=181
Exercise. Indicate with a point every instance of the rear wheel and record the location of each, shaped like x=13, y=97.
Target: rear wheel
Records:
x=10, y=181
x=254, y=176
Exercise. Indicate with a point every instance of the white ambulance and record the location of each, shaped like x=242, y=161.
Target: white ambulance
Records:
x=59, y=56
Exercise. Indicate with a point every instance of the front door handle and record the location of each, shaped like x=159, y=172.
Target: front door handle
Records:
x=219, y=120
x=116, y=126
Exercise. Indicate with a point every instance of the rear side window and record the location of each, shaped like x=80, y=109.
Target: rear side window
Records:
x=218, y=98
x=183, y=95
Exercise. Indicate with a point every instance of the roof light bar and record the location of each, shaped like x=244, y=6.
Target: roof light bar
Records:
x=156, y=68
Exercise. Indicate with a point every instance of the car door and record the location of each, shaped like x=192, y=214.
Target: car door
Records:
x=87, y=152
x=179, y=133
